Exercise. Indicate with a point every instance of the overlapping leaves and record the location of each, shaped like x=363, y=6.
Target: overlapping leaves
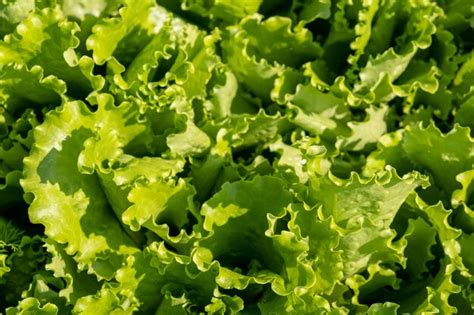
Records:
x=180, y=157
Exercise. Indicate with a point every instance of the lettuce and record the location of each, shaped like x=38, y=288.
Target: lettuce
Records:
x=223, y=157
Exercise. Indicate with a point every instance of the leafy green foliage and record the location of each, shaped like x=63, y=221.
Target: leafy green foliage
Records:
x=236, y=157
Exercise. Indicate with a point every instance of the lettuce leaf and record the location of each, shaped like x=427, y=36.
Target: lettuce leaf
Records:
x=236, y=157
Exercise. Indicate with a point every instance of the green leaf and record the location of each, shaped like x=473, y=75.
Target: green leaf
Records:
x=378, y=279
x=24, y=258
x=12, y=13
x=42, y=90
x=323, y=241
x=240, y=214
x=225, y=10
x=302, y=159
x=420, y=237
x=84, y=9
x=308, y=11
x=135, y=23
x=80, y=204
x=365, y=133
x=32, y=306
x=386, y=308
x=256, y=67
x=364, y=209
x=63, y=266
x=180, y=144
x=158, y=203
x=320, y=113
x=157, y=270
x=236, y=157
x=46, y=40
x=465, y=115
x=104, y=302
x=422, y=145
x=466, y=242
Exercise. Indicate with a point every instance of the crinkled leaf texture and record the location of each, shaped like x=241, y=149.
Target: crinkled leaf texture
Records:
x=236, y=157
